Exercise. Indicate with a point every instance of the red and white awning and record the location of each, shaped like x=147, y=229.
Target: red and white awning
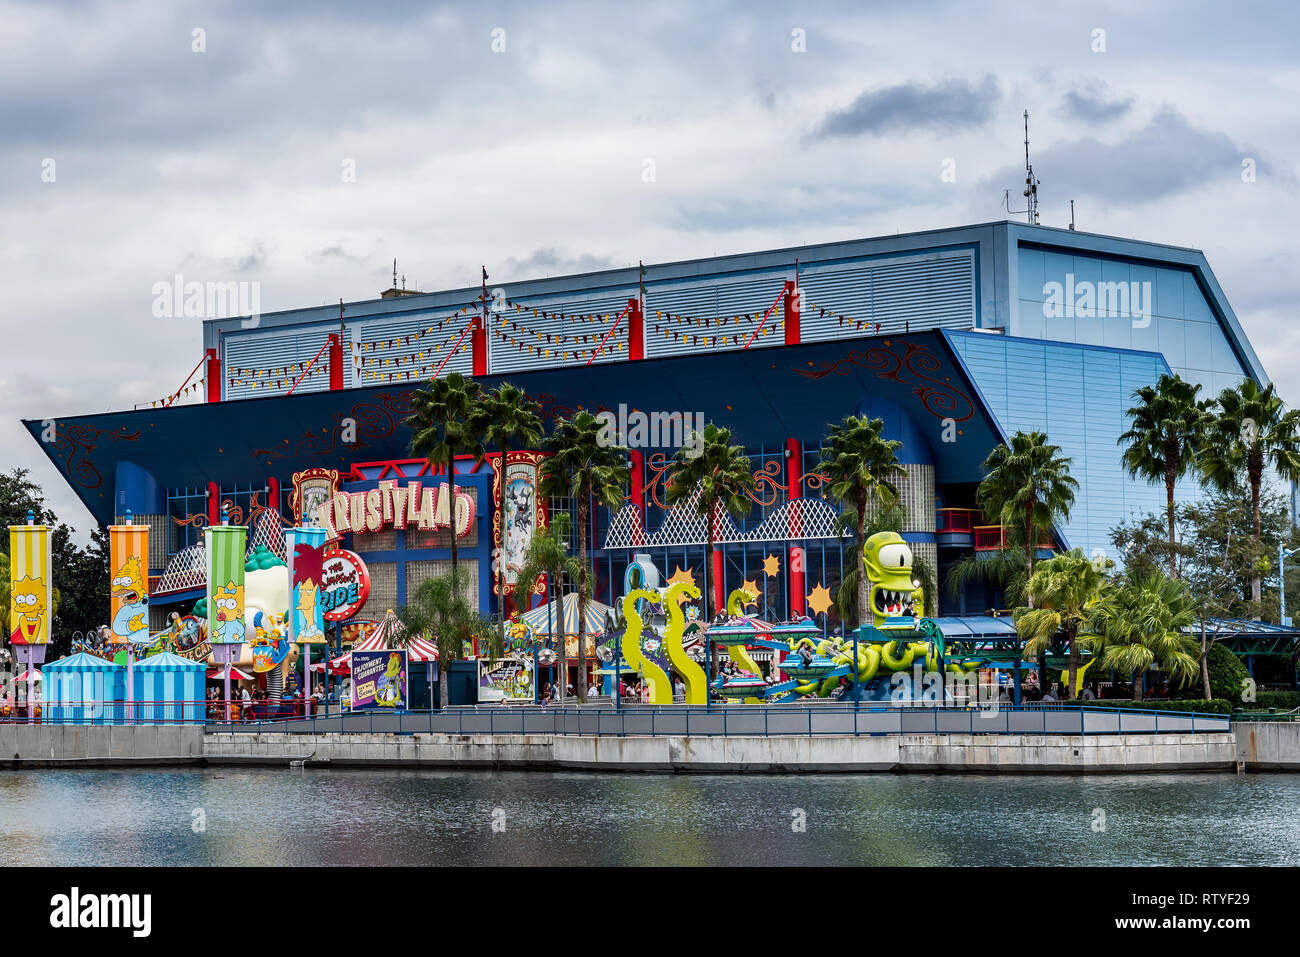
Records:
x=388, y=635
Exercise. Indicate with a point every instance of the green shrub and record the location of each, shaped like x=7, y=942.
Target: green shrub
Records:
x=1197, y=705
x=1226, y=676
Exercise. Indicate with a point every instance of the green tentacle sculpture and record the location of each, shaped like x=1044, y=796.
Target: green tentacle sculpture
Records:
x=692, y=674
x=661, y=689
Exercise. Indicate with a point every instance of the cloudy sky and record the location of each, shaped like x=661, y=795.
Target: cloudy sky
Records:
x=212, y=140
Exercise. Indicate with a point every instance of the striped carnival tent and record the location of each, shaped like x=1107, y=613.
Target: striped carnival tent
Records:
x=389, y=634
x=170, y=689
x=84, y=689
x=567, y=611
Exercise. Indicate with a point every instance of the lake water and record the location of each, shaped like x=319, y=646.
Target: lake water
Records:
x=417, y=817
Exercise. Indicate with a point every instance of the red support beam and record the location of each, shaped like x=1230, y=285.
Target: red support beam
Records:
x=791, y=314
x=719, y=586
x=478, y=346
x=273, y=494
x=212, y=375
x=794, y=490
x=214, y=504
x=636, y=466
x=636, y=341
x=336, y=363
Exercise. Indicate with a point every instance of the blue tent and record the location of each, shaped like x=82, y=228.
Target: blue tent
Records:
x=169, y=690
x=83, y=689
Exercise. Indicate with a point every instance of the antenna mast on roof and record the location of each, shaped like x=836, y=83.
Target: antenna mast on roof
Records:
x=1031, y=182
x=1030, y=191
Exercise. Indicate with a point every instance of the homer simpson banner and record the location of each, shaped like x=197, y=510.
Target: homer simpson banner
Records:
x=31, y=585
x=226, y=544
x=128, y=557
x=305, y=548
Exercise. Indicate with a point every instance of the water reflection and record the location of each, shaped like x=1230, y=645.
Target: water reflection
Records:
x=281, y=817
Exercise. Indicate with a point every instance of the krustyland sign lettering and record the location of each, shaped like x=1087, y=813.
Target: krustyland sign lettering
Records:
x=412, y=505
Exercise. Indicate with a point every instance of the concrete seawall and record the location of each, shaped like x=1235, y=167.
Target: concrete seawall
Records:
x=739, y=754
x=1257, y=745
x=44, y=745
x=1268, y=745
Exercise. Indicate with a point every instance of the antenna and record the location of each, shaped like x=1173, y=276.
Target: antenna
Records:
x=394, y=273
x=1030, y=191
x=1071, y=214
x=1031, y=182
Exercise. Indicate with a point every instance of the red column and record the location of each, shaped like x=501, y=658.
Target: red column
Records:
x=637, y=469
x=214, y=504
x=212, y=375
x=336, y=363
x=719, y=584
x=273, y=494
x=478, y=345
x=794, y=486
x=636, y=339
x=791, y=314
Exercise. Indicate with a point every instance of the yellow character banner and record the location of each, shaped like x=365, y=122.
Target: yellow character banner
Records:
x=31, y=585
x=128, y=556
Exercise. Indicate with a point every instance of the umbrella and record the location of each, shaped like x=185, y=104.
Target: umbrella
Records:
x=219, y=674
x=567, y=612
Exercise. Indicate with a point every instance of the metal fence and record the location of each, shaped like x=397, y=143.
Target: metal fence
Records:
x=749, y=720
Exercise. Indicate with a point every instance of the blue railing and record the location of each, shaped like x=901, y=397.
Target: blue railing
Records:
x=745, y=720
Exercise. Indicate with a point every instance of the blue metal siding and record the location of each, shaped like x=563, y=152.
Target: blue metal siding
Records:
x=1078, y=395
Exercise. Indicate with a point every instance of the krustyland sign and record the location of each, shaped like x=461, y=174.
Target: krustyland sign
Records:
x=412, y=505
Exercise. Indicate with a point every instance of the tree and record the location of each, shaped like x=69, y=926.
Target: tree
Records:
x=548, y=554
x=18, y=496
x=722, y=475
x=1253, y=430
x=1003, y=570
x=860, y=466
x=506, y=416
x=1144, y=621
x=1028, y=484
x=1066, y=591
x=585, y=468
x=1168, y=428
x=440, y=610
x=443, y=424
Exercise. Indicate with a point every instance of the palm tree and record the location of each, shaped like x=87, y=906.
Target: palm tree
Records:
x=443, y=424
x=1168, y=428
x=889, y=519
x=1252, y=430
x=506, y=416
x=1003, y=570
x=548, y=554
x=583, y=467
x=722, y=475
x=440, y=609
x=1028, y=485
x=1145, y=621
x=1067, y=590
x=861, y=466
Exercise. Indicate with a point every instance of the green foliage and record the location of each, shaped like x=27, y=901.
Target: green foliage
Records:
x=1192, y=705
x=261, y=559
x=1068, y=594
x=1167, y=429
x=1028, y=486
x=441, y=609
x=722, y=473
x=1226, y=675
x=1003, y=570
x=1143, y=622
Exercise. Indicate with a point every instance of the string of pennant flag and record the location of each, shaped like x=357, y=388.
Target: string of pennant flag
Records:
x=535, y=348
x=190, y=389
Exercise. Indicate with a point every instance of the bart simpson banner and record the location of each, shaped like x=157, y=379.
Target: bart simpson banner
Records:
x=226, y=545
x=31, y=584
x=128, y=556
x=305, y=548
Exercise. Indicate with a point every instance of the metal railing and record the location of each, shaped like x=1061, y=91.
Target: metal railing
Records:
x=747, y=720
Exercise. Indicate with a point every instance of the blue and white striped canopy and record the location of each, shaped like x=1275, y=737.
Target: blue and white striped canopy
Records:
x=567, y=609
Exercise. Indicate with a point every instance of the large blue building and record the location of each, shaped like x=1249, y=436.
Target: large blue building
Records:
x=955, y=337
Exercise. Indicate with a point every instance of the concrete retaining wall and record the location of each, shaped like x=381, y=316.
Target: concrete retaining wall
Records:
x=1268, y=745
x=43, y=745
x=736, y=754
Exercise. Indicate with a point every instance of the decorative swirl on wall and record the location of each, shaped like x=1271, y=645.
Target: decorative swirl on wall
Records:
x=72, y=447
x=374, y=420
x=942, y=399
x=767, y=484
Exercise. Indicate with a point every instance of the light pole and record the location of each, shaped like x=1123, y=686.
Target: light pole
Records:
x=1282, y=556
